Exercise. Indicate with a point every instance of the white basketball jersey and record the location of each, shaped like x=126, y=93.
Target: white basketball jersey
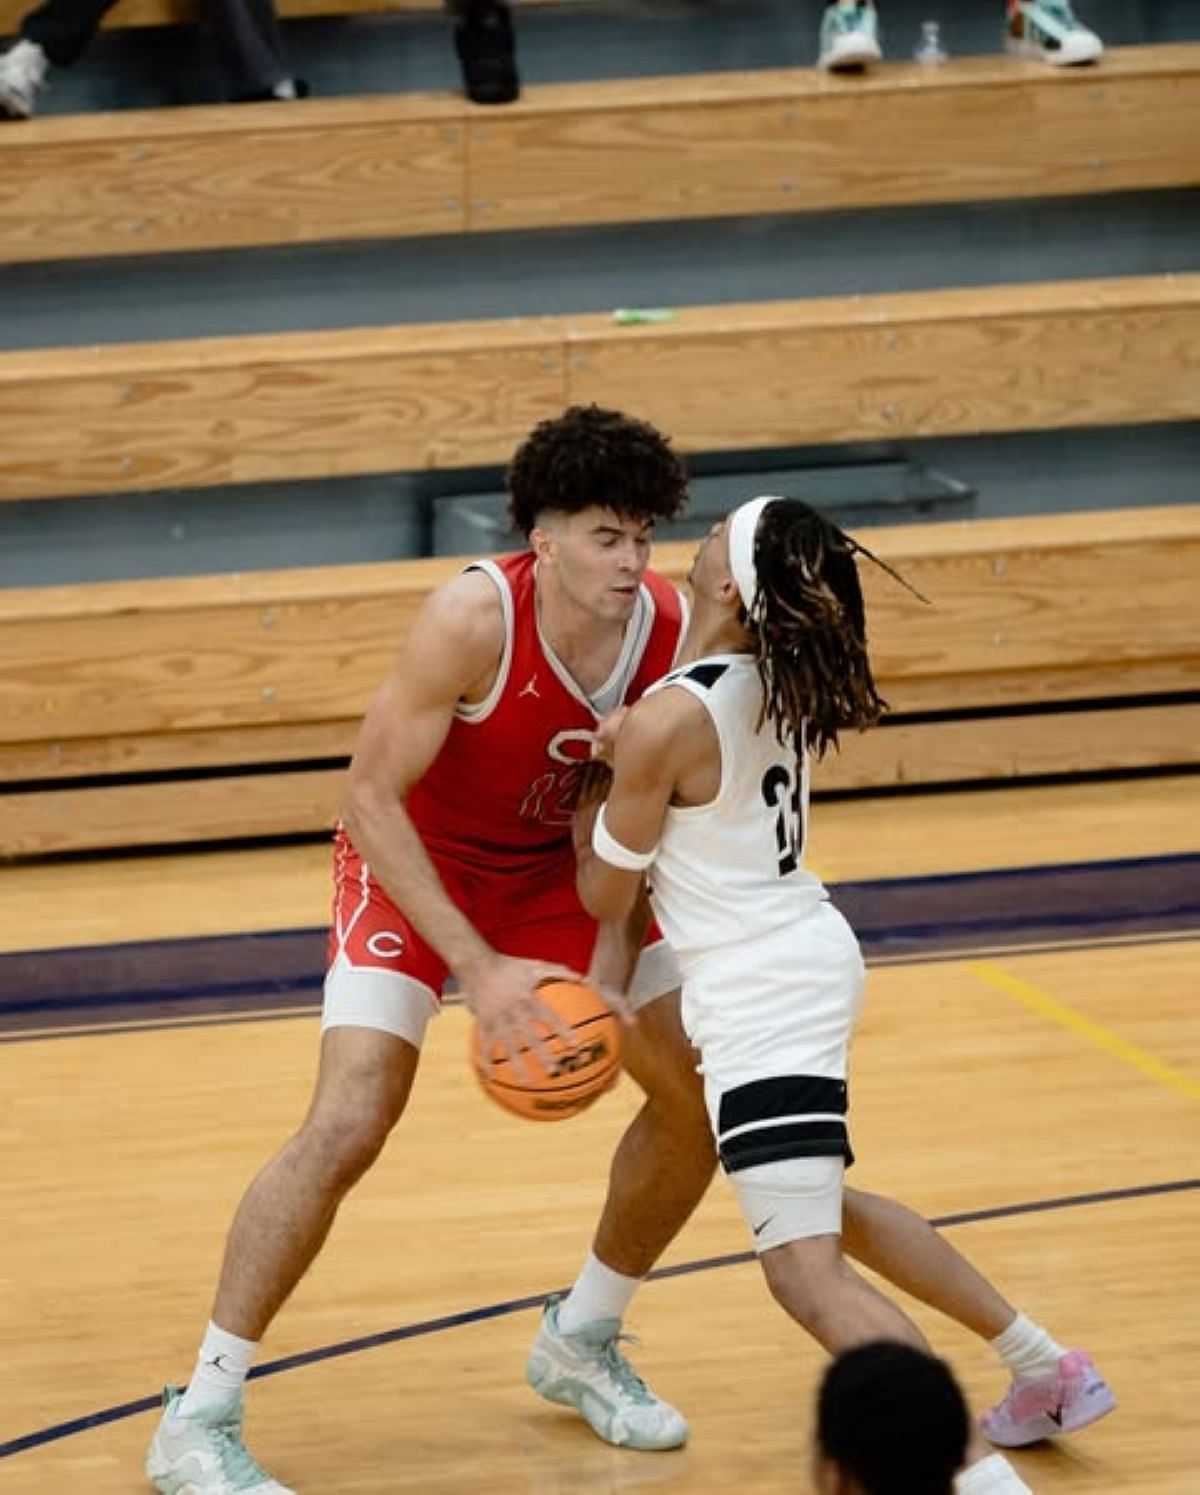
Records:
x=732, y=871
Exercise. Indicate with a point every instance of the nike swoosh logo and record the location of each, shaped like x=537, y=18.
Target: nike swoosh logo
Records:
x=758, y=1229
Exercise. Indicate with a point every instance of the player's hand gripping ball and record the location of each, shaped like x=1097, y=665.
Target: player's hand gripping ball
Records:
x=579, y=1074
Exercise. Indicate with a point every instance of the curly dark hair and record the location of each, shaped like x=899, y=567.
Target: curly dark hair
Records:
x=809, y=628
x=590, y=457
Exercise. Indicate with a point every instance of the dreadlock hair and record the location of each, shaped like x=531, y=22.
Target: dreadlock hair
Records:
x=894, y=1418
x=589, y=457
x=809, y=628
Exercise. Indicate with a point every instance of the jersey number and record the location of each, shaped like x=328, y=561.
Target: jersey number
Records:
x=781, y=793
x=551, y=799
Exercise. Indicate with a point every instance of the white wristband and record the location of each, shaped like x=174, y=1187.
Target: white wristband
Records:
x=609, y=849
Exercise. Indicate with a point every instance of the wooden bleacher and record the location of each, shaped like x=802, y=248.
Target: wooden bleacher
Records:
x=213, y=411
x=211, y=708
x=206, y=708
x=624, y=151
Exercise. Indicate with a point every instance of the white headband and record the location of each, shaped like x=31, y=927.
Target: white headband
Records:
x=743, y=526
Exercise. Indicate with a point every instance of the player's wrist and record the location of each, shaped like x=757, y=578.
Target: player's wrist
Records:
x=468, y=967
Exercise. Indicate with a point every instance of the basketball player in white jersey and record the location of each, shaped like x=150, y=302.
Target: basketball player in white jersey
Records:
x=710, y=797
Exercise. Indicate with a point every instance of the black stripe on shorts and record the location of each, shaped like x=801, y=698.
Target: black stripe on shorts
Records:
x=806, y=1115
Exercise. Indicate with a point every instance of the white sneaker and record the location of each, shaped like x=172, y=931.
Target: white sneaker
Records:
x=1048, y=31
x=849, y=36
x=22, y=73
x=199, y=1456
x=586, y=1370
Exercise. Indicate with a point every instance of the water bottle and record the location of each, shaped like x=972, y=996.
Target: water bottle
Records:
x=929, y=48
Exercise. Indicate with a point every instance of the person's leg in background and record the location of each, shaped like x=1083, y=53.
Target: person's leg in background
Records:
x=659, y=1173
x=485, y=41
x=250, y=46
x=1054, y=1390
x=54, y=34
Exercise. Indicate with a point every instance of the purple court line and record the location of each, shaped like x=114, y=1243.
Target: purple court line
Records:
x=60, y=1430
x=311, y=1007
x=163, y=980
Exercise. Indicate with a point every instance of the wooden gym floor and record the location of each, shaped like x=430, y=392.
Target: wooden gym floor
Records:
x=1028, y=1073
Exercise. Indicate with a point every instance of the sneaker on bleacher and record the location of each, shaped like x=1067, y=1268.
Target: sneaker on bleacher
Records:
x=22, y=74
x=849, y=36
x=1049, y=31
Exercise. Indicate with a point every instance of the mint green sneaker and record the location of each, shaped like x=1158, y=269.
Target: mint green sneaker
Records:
x=1049, y=31
x=203, y=1456
x=586, y=1370
x=849, y=36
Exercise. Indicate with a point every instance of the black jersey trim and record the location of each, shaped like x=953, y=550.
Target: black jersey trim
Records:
x=706, y=675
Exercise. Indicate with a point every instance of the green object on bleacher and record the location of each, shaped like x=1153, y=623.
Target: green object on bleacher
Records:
x=636, y=316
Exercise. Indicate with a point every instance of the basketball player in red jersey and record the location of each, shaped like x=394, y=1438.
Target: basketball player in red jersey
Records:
x=455, y=859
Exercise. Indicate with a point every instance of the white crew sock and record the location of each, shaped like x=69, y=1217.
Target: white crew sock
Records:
x=1028, y=1350
x=220, y=1373
x=599, y=1293
x=991, y=1476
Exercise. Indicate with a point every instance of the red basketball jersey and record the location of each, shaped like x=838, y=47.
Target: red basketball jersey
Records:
x=502, y=789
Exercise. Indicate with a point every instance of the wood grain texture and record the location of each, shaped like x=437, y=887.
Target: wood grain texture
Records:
x=142, y=753
x=110, y=1200
x=160, y=182
x=881, y=367
x=211, y=411
x=230, y=807
x=230, y=410
x=1094, y=614
x=614, y=151
x=796, y=140
x=187, y=655
x=235, y=806
x=994, y=749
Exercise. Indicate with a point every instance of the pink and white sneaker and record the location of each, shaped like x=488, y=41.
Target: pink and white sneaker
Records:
x=1062, y=1403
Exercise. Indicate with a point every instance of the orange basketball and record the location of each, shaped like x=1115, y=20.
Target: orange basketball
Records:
x=580, y=1073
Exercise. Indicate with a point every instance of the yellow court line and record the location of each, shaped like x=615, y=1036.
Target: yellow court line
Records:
x=1109, y=1043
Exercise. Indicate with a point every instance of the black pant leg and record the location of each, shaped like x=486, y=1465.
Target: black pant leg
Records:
x=250, y=44
x=63, y=28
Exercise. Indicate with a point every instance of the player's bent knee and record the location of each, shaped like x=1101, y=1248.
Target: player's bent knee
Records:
x=804, y=1277
x=341, y=1146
